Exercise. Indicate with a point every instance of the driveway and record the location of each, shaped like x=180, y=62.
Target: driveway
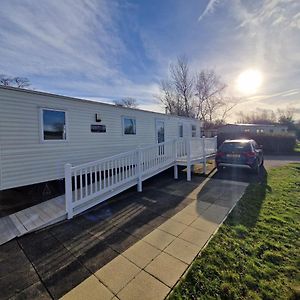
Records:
x=272, y=161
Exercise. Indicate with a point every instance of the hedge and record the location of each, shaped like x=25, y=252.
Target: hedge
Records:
x=272, y=144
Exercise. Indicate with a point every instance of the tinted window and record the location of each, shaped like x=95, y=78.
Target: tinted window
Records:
x=160, y=130
x=180, y=130
x=54, y=125
x=129, y=126
x=194, y=131
x=235, y=147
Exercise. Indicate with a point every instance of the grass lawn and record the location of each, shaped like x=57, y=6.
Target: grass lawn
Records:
x=255, y=254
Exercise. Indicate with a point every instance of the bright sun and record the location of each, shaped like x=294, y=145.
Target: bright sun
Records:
x=249, y=81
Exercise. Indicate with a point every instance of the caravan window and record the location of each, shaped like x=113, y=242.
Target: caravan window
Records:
x=53, y=125
x=129, y=125
x=180, y=130
x=194, y=130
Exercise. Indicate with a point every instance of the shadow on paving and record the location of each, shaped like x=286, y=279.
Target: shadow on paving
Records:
x=48, y=263
x=226, y=187
x=247, y=212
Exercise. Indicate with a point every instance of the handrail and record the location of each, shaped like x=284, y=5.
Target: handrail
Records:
x=109, y=176
x=102, y=160
x=155, y=145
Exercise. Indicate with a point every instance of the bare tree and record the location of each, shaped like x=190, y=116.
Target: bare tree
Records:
x=170, y=99
x=209, y=93
x=183, y=83
x=286, y=116
x=20, y=82
x=259, y=116
x=5, y=80
x=201, y=96
x=126, y=102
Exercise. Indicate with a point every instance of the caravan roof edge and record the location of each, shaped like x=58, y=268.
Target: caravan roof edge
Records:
x=85, y=100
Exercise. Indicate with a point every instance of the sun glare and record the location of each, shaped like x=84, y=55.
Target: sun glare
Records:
x=249, y=81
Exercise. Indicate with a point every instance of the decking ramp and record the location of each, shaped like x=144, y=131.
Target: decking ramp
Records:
x=32, y=218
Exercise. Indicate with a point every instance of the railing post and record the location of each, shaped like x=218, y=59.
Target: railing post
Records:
x=204, y=154
x=68, y=190
x=216, y=144
x=139, y=170
x=175, y=160
x=188, y=160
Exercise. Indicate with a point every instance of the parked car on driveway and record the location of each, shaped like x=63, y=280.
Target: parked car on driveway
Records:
x=240, y=154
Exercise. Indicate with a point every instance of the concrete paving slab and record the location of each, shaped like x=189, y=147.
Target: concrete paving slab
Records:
x=183, y=250
x=59, y=270
x=35, y=291
x=205, y=225
x=138, y=229
x=172, y=227
x=215, y=213
x=166, y=268
x=16, y=272
x=195, y=236
x=120, y=241
x=184, y=218
x=141, y=254
x=65, y=279
x=117, y=273
x=159, y=239
x=196, y=208
x=97, y=256
x=144, y=286
x=91, y=289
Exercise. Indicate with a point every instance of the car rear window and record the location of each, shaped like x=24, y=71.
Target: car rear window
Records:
x=235, y=147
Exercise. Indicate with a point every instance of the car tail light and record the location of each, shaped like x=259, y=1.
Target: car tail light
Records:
x=220, y=154
x=249, y=154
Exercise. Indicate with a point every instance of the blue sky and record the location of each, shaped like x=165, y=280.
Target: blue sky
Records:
x=106, y=50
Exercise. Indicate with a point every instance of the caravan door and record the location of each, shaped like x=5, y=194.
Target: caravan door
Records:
x=160, y=135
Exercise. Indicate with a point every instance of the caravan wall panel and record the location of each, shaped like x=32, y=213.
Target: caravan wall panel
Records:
x=25, y=159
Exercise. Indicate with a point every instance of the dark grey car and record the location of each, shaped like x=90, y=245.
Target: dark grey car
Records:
x=240, y=154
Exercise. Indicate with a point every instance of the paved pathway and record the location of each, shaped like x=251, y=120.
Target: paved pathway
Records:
x=151, y=267
x=136, y=246
x=272, y=161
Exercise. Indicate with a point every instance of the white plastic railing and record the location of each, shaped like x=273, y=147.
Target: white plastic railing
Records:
x=210, y=145
x=181, y=148
x=156, y=156
x=109, y=176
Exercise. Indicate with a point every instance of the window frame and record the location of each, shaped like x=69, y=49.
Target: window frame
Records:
x=193, y=125
x=42, y=140
x=156, y=127
x=201, y=132
x=123, y=126
x=180, y=124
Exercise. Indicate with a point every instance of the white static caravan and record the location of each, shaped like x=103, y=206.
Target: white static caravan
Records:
x=41, y=132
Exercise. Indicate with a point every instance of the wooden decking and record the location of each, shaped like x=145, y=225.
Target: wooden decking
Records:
x=32, y=218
